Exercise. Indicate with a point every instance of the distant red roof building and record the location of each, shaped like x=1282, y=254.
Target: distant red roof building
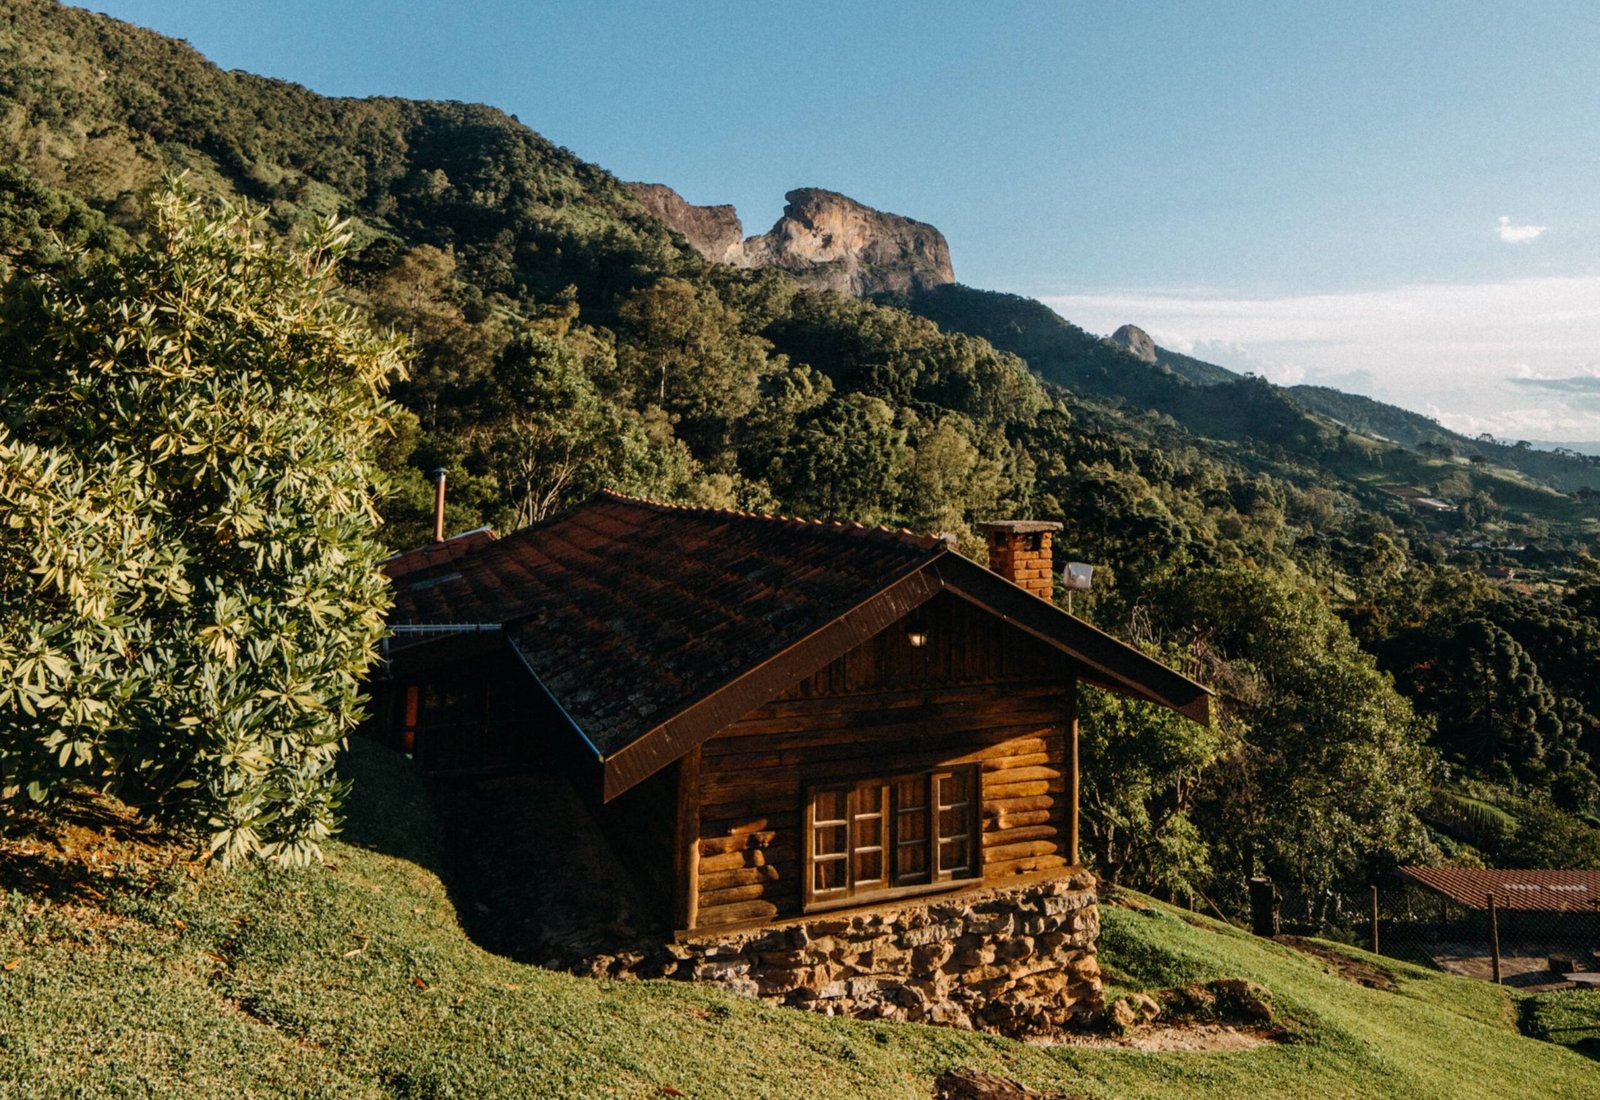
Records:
x=1538, y=891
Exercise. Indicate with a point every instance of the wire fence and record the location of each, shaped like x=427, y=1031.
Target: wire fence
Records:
x=1499, y=939
x=1495, y=940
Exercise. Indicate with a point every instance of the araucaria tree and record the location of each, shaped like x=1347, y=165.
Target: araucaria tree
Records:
x=188, y=587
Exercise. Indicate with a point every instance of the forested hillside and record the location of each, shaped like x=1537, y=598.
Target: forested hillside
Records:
x=563, y=340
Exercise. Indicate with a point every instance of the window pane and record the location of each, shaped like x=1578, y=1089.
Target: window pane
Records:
x=912, y=826
x=954, y=789
x=869, y=832
x=869, y=867
x=828, y=875
x=955, y=855
x=911, y=792
x=953, y=822
x=954, y=796
x=830, y=806
x=913, y=862
x=911, y=830
x=830, y=840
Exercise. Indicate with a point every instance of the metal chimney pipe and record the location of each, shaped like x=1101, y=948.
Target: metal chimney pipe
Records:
x=438, y=504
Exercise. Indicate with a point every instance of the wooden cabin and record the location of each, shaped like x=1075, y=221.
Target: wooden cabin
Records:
x=773, y=718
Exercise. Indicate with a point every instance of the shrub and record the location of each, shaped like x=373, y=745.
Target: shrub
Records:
x=188, y=590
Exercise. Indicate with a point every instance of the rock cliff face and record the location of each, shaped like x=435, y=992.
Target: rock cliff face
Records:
x=713, y=231
x=1135, y=341
x=826, y=239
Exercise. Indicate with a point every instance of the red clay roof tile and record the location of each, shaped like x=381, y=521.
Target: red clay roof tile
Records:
x=628, y=609
x=1545, y=891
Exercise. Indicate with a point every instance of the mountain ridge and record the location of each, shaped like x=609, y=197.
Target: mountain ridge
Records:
x=827, y=240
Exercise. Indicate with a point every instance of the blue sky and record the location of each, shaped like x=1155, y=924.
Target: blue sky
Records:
x=1396, y=198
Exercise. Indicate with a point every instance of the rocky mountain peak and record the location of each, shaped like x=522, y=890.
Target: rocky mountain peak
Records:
x=713, y=231
x=826, y=239
x=1136, y=342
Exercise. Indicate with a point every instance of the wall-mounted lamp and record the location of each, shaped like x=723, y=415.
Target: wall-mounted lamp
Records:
x=917, y=632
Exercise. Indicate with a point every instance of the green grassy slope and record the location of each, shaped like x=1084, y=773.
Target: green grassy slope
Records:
x=128, y=973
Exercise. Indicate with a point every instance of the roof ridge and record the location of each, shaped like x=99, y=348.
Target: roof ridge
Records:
x=901, y=534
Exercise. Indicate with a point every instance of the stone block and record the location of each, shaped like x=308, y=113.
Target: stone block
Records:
x=971, y=955
x=931, y=956
x=1014, y=948
x=720, y=970
x=931, y=933
x=991, y=924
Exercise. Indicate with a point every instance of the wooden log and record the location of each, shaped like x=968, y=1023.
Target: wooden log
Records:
x=1001, y=791
x=1007, y=820
x=731, y=895
x=755, y=857
x=739, y=876
x=1017, y=690
x=1032, y=803
x=1010, y=774
x=994, y=870
x=1027, y=744
x=737, y=911
x=997, y=838
x=931, y=735
x=734, y=781
x=1073, y=850
x=1023, y=850
x=866, y=712
x=737, y=842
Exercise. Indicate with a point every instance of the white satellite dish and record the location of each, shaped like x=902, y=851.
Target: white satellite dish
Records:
x=1076, y=576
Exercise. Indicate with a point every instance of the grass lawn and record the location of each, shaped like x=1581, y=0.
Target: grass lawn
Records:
x=126, y=972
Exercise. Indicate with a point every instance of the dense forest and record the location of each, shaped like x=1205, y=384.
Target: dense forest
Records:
x=1382, y=699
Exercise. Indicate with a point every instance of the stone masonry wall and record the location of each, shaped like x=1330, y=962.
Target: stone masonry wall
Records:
x=1018, y=960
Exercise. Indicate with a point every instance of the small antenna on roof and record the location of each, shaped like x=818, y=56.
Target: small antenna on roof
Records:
x=438, y=504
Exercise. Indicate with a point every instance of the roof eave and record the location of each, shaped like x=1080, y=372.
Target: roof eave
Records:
x=699, y=720
x=1107, y=661
x=1111, y=663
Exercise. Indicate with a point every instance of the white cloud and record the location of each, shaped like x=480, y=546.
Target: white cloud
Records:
x=1519, y=234
x=1443, y=349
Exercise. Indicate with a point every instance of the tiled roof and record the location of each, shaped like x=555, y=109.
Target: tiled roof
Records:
x=628, y=610
x=436, y=553
x=1533, y=890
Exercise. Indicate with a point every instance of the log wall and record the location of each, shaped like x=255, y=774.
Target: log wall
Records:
x=979, y=692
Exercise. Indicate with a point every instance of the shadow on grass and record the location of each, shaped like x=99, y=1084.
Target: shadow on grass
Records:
x=79, y=849
x=527, y=869
x=1569, y=1018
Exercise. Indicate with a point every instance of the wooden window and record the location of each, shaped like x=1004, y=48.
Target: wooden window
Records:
x=879, y=837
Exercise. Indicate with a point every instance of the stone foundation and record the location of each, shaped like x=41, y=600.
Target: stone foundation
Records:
x=1018, y=960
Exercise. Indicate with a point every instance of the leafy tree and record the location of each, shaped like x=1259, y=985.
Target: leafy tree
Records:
x=200, y=654
x=844, y=461
x=553, y=439
x=1497, y=716
x=1328, y=777
x=687, y=354
x=1143, y=766
x=948, y=478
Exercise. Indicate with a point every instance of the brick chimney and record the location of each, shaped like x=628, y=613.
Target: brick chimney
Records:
x=1019, y=550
